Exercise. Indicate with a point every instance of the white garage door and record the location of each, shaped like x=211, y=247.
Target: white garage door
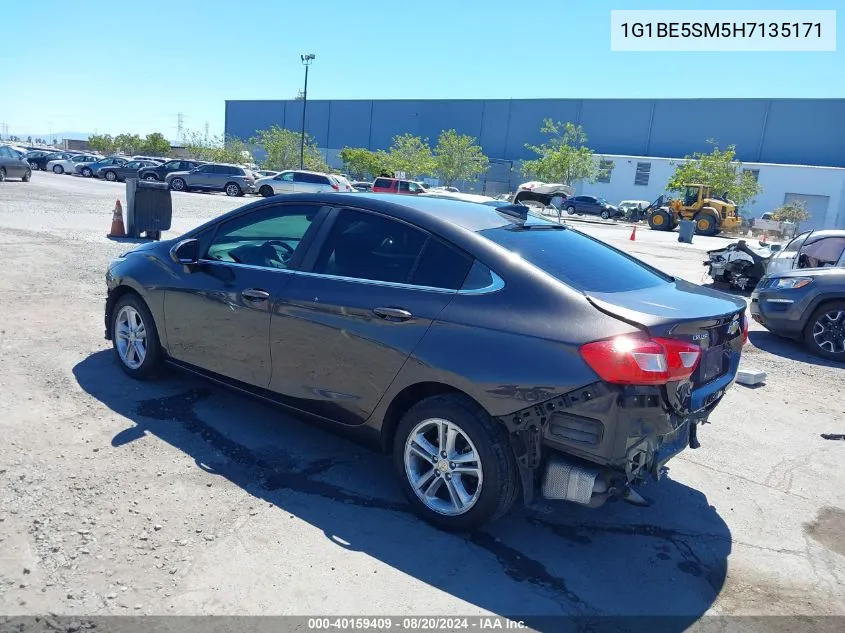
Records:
x=816, y=205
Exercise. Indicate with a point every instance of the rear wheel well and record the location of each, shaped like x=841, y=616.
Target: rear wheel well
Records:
x=406, y=399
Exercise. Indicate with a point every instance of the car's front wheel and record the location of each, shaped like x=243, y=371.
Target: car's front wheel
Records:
x=825, y=331
x=58, y=169
x=455, y=463
x=27, y=175
x=151, y=177
x=86, y=172
x=135, y=337
x=266, y=191
x=110, y=176
x=177, y=184
x=605, y=215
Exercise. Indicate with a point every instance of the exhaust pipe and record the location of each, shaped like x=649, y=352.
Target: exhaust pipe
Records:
x=568, y=482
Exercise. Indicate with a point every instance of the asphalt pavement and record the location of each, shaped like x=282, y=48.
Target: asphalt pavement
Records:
x=179, y=497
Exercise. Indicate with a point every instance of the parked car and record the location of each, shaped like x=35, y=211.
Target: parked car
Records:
x=37, y=162
x=264, y=173
x=159, y=172
x=119, y=173
x=88, y=169
x=633, y=209
x=396, y=185
x=362, y=186
x=343, y=181
x=156, y=159
x=591, y=205
x=395, y=318
x=296, y=181
x=68, y=165
x=13, y=164
x=811, y=249
x=33, y=158
x=233, y=179
x=805, y=305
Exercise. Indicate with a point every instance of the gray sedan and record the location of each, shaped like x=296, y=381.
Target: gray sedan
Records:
x=117, y=173
x=806, y=304
x=13, y=164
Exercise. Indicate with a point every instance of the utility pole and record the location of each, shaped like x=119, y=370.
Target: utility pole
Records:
x=206, y=130
x=306, y=61
x=180, y=126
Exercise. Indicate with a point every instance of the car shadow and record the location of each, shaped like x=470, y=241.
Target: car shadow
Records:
x=548, y=566
x=788, y=348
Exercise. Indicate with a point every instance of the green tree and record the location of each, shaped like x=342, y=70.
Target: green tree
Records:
x=795, y=212
x=155, y=145
x=129, y=143
x=457, y=157
x=201, y=146
x=410, y=154
x=564, y=158
x=720, y=170
x=103, y=143
x=361, y=162
x=282, y=146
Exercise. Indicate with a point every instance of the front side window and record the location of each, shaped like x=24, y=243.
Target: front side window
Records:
x=821, y=253
x=797, y=243
x=286, y=176
x=267, y=238
x=134, y=165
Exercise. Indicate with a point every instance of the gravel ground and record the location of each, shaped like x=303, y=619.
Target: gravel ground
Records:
x=178, y=497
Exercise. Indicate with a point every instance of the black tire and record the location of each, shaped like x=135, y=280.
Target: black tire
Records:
x=821, y=317
x=659, y=220
x=151, y=178
x=27, y=176
x=2, y=174
x=178, y=184
x=705, y=224
x=110, y=176
x=233, y=190
x=152, y=360
x=34, y=166
x=86, y=172
x=570, y=210
x=266, y=191
x=500, y=474
x=58, y=169
x=605, y=215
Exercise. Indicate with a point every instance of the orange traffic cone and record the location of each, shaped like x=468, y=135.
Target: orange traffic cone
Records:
x=117, y=227
x=763, y=241
x=634, y=234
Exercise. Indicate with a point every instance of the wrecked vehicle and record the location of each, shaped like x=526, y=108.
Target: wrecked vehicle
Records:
x=543, y=194
x=739, y=265
x=408, y=319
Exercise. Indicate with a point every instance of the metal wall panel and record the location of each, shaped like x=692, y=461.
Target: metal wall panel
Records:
x=805, y=132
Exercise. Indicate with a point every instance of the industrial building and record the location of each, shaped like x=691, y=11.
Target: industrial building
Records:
x=796, y=146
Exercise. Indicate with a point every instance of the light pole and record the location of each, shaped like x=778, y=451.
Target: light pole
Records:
x=306, y=61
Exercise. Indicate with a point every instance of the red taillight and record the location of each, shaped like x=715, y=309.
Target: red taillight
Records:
x=745, y=325
x=335, y=187
x=628, y=360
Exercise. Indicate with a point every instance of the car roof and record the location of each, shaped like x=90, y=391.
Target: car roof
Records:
x=816, y=235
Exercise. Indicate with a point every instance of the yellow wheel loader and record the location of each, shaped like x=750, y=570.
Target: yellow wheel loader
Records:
x=711, y=214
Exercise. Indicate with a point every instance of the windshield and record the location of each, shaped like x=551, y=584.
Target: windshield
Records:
x=579, y=261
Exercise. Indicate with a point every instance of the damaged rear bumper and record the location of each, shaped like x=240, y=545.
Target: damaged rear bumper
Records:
x=597, y=442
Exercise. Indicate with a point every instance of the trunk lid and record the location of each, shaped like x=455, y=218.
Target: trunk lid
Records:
x=680, y=310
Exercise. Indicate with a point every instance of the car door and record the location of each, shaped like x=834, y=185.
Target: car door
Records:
x=200, y=178
x=368, y=291
x=129, y=170
x=284, y=182
x=305, y=183
x=218, y=316
x=785, y=259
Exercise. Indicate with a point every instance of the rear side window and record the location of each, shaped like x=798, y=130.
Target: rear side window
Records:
x=383, y=182
x=578, y=261
x=441, y=266
x=315, y=179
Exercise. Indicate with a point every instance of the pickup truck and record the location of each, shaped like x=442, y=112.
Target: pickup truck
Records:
x=768, y=225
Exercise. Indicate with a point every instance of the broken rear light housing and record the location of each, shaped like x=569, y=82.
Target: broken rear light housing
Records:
x=628, y=360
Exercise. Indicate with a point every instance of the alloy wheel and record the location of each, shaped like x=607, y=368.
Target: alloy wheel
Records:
x=177, y=184
x=131, y=337
x=829, y=332
x=443, y=467
x=232, y=190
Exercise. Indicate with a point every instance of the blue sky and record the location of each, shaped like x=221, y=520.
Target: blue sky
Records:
x=133, y=66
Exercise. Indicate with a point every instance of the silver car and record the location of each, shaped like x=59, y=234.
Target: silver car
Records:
x=233, y=179
x=13, y=164
x=297, y=181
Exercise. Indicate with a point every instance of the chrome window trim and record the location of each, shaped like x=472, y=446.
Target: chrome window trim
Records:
x=497, y=284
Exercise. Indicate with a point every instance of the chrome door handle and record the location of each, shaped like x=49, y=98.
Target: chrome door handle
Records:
x=392, y=314
x=254, y=294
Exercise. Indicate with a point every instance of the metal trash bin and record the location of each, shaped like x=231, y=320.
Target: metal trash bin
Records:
x=149, y=208
x=686, y=229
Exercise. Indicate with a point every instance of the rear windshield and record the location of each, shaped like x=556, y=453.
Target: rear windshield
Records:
x=579, y=261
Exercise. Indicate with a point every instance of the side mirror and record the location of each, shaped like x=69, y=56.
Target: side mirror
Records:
x=186, y=252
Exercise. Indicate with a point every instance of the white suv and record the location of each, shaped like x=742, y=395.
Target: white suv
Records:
x=296, y=181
